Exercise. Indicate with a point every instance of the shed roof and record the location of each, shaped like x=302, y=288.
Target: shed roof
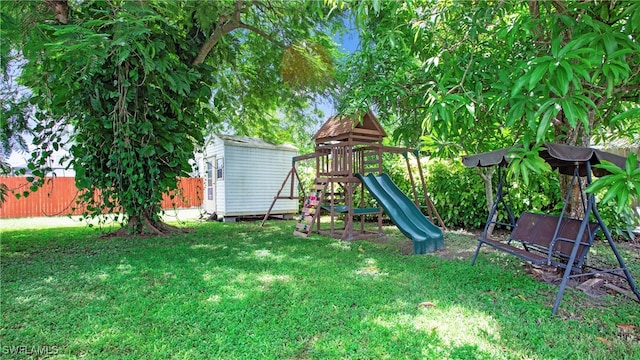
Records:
x=340, y=128
x=250, y=142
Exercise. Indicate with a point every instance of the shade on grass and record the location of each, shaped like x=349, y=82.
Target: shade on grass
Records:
x=242, y=291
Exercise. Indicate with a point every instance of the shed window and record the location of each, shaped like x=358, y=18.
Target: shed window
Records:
x=209, y=174
x=220, y=168
x=209, y=180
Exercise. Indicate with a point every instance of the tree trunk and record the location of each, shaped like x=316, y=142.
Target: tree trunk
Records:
x=146, y=224
x=576, y=137
x=487, y=177
x=61, y=9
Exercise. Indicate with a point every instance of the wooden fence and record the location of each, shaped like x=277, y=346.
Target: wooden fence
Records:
x=58, y=197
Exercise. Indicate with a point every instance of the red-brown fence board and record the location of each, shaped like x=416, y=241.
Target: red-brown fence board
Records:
x=189, y=194
x=58, y=197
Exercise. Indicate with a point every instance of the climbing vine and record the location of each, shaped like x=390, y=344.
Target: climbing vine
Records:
x=139, y=82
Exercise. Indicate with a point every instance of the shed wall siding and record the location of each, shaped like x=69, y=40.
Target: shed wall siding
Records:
x=253, y=177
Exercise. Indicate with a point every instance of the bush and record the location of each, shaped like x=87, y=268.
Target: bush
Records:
x=621, y=225
x=459, y=196
x=457, y=193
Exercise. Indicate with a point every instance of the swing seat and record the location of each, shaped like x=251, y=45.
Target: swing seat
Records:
x=532, y=240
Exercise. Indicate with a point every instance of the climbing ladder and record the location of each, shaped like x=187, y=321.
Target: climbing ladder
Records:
x=311, y=209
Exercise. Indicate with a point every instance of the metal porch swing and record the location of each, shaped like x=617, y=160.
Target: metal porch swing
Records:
x=559, y=241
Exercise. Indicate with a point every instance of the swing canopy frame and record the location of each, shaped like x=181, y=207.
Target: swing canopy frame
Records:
x=565, y=158
x=554, y=240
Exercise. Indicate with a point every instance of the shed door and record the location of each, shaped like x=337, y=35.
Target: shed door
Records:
x=210, y=185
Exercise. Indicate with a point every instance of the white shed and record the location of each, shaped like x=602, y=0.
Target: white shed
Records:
x=242, y=175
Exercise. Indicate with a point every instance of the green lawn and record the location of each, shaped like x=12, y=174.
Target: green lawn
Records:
x=239, y=291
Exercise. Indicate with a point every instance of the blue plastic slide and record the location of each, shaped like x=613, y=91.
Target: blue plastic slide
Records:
x=404, y=213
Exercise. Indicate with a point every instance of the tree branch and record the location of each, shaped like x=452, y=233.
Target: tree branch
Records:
x=61, y=9
x=559, y=5
x=534, y=9
x=226, y=25
x=262, y=34
x=213, y=40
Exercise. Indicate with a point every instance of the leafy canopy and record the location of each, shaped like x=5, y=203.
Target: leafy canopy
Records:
x=138, y=84
x=470, y=76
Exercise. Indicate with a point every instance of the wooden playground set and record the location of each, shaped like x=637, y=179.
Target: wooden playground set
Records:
x=348, y=161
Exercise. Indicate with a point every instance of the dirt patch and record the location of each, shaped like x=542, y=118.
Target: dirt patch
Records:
x=458, y=244
x=404, y=247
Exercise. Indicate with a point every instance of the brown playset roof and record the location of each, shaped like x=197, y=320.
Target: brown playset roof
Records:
x=340, y=128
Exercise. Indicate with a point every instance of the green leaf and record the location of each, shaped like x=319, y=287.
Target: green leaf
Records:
x=122, y=54
x=537, y=74
x=168, y=146
x=574, y=44
x=621, y=53
x=568, y=69
x=515, y=112
x=613, y=191
x=623, y=199
x=631, y=163
x=541, y=134
x=525, y=175
x=517, y=87
x=95, y=104
x=376, y=6
x=562, y=80
x=582, y=72
x=544, y=108
x=555, y=46
x=610, y=43
x=570, y=111
x=586, y=101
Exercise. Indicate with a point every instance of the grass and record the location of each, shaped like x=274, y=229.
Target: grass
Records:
x=239, y=291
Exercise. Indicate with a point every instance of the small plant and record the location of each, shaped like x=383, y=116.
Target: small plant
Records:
x=622, y=184
x=620, y=188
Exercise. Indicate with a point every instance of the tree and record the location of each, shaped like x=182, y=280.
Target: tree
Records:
x=13, y=122
x=472, y=76
x=139, y=82
x=432, y=80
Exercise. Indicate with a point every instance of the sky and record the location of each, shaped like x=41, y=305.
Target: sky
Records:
x=347, y=43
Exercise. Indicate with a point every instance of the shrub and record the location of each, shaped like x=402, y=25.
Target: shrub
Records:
x=458, y=194
x=621, y=225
